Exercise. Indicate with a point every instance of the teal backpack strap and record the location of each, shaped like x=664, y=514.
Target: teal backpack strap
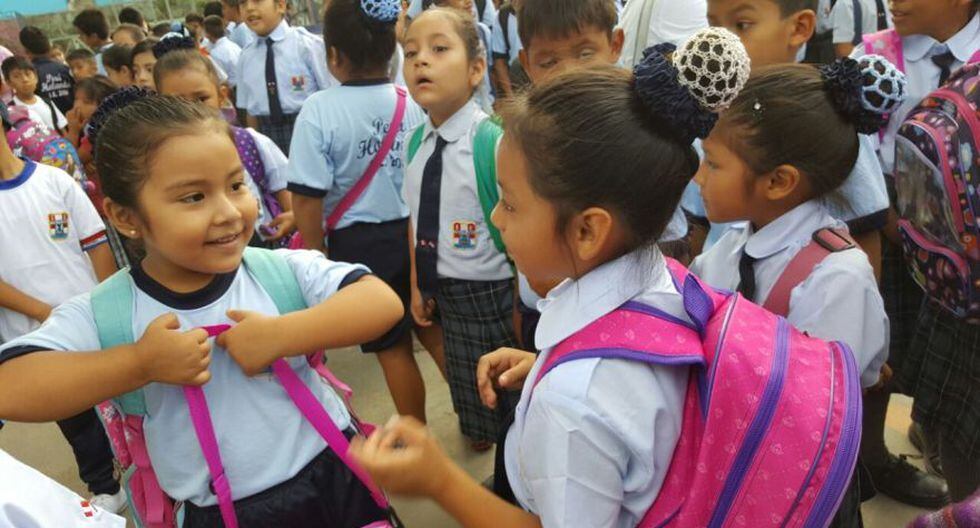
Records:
x=112, y=309
x=276, y=278
x=414, y=143
x=485, y=141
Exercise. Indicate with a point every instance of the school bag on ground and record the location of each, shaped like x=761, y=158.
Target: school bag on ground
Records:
x=772, y=417
x=112, y=303
x=485, y=141
x=937, y=178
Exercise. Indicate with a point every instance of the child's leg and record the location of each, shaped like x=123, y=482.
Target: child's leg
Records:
x=93, y=453
x=962, y=471
x=431, y=339
x=476, y=319
x=404, y=378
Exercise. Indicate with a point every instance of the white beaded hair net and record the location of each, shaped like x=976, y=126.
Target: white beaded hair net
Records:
x=714, y=66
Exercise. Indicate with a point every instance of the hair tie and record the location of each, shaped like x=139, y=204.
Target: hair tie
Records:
x=173, y=42
x=383, y=11
x=864, y=92
x=109, y=106
x=703, y=78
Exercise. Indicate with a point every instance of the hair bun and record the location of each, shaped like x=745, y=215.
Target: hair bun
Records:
x=864, y=92
x=383, y=11
x=173, y=42
x=108, y=107
x=701, y=79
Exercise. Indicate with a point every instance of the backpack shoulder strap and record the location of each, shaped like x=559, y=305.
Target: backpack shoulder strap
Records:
x=858, y=22
x=414, y=142
x=881, y=15
x=276, y=277
x=888, y=44
x=642, y=31
x=481, y=6
x=503, y=18
x=634, y=331
x=248, y=151
x=112, y=309
x=825, y=241
x=485, y=142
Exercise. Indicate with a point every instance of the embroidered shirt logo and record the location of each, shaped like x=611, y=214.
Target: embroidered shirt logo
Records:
x=298, y=82
x=464, y=234
x=58, y=226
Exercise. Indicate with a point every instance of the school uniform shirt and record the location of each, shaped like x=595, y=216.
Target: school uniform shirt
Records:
x=301, y=70
x=839, y=301
x=507, y=46
x=264, y=438
x=226, y=53
x=843, y=14
x=485, y=92
x=824, y=21
x=861, y=201
x=337, y=135
x=923, y=75
x=672, y=21
x=488, y=16
x=98, y=58
x=55, y=82
x=593, y=445
x=49, y=114
x=466, y=250
x=275, y=164
x=46, y=226
x=29, y=499
x=241, y=34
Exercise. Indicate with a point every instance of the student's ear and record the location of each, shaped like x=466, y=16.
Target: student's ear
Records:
x=280, y=6
x=224, y=93
x=616, y=44
x=478, y=69
x=589, y=232
x=782, y=182
x=333, y=60
x=123, y=218
x=802, y=26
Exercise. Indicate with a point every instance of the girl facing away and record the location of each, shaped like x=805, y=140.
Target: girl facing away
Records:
x=173, y=179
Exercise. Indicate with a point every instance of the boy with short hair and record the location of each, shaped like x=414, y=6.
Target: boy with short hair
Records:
x=93, y=30
x=128, y=35
x=82, y=64
x=929, y=346
x=61, y=252
x=225, y=52
x=116, y=61
x=22, y=76
x=195, y=24
x=54, y=78
x=295, y=67
x=131, y=15
x=773, y=31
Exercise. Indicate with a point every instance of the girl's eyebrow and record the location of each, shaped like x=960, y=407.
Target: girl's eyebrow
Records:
x=201, y=181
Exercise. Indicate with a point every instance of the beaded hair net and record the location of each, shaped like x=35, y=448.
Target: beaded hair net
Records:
x=864, y=92
x=384, y=11
x=687, y=90
x=884, y=84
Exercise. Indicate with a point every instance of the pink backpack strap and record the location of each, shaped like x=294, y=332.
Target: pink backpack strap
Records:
x=362, y=184
x=975, y=58
x=825, y=241
x=888, y=44
x=634, y=331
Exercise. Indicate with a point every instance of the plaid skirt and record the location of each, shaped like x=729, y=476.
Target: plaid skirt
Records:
x=903, y=299
x=280, y=132
x=477, y=318
x=942, y=374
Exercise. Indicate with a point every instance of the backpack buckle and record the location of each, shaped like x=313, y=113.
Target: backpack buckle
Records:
x=833, y=240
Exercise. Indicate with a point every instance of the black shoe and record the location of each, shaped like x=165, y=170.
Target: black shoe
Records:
x=927, y=446
x=908, y=484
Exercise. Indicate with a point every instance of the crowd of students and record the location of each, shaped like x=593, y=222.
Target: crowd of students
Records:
x=190, y=213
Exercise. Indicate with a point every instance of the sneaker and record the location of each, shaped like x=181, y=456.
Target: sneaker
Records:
x=110, y=503
x=927, y=446
x=908, y=484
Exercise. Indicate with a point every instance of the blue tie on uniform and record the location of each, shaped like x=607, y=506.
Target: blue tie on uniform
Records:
x=746, y=275
x=427, y=231
x=272, y=88
x=944, y=61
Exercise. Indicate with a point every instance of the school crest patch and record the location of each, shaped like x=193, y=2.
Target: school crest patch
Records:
x=298, y=83
x=58, y=226
x=464, y=234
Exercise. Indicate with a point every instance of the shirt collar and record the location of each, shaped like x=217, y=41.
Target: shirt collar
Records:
x=798, y=224
x=280, y=32
x=25, y=174
x=573, y=304
x=456, y=126
x=963, y=44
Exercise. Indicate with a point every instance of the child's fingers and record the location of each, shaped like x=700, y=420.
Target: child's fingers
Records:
x=484, y=382
x=167, y=320
x=199, y=335
x=202, y=378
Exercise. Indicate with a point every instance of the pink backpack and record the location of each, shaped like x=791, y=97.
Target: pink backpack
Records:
x=772, y=418
x=37, y=142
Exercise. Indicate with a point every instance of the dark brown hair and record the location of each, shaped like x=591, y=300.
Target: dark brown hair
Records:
x=214, y=27
x=96, y=88
x=560, y=18
x=368, y=44
x=131, y=136
x=465, y=26
x=589, y=141
x=788, y=7
x=118, y=56
x=183, y=59
x=785, y=116
x=144, y=46
x=92, y=22
x=134, y=31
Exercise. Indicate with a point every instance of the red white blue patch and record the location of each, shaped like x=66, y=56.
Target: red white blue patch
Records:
x=298, y=82
x=464, y=234
x=58, y=225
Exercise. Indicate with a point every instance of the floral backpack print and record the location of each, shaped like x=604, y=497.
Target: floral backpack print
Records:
x=33, y=140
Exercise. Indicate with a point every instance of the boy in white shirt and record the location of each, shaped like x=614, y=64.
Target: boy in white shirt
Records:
x=852, y=19
x=23, y=79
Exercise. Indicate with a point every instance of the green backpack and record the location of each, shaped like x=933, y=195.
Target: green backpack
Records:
x=485, y=141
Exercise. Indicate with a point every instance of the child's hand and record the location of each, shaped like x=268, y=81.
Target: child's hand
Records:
x=402, y=457
x=75, y=121
x=283, y=224
x=171, y=356
x=253, y=342
x=422, y=310
x=506, y=368
x=42, y=312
